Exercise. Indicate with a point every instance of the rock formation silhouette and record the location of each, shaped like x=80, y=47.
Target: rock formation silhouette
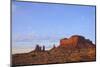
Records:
x=73, y=49
x=39, y=48
x=43, y=48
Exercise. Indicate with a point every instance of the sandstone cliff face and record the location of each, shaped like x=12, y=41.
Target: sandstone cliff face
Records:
x=73, y=49
x=72, y=41
x=76, y=41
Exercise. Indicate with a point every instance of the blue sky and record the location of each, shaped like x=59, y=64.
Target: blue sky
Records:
x=45, y=24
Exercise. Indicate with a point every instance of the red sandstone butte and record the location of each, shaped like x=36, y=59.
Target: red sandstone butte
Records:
x=75, y=41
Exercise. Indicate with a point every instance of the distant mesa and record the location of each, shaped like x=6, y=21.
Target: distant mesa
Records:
x=76, y=41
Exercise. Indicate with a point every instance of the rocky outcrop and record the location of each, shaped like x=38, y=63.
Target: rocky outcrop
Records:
x=39, y=48
x=73, y=49
x=76, y=41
